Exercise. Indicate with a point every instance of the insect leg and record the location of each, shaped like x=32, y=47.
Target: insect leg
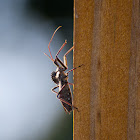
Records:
x=70, y=84
x=61, y=47
x=49, y=56
x=50, y=43
x=57, y=59
x=62, y=100
x=60, y=90
x=53, y=89
x=61, y=63
x=64, y=65
x=73, y=69
x=64, y=57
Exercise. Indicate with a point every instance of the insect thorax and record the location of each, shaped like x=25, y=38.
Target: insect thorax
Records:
x=59, y=76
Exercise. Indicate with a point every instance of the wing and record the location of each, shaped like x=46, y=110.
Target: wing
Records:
x=65, y=97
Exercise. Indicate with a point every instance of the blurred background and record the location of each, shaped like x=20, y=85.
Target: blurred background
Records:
x=28, y=108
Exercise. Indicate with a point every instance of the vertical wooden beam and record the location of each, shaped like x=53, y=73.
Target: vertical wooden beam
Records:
x=83, y=39
x=102, y=40
x=134, y=76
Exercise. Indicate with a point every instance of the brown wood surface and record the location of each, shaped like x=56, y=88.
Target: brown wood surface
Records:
x=107, y=42
x=134, y=76
x=83, y=39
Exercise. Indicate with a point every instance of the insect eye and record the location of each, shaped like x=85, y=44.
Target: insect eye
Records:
x=53, y=74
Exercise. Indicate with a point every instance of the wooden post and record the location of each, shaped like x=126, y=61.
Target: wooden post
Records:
x=107, y=87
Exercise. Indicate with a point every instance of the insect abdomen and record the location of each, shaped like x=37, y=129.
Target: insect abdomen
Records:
x=65, y=94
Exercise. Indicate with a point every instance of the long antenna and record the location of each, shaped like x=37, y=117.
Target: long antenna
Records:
x=50, y=43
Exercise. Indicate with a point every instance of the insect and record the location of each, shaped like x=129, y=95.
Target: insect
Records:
x=60, y=78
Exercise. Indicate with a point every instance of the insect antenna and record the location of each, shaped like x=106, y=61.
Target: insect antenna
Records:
x=50, y=43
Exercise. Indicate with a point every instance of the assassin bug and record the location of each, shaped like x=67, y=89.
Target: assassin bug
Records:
x=60, y=78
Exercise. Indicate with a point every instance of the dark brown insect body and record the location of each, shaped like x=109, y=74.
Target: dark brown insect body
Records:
x=64, y=94
x=60, y=78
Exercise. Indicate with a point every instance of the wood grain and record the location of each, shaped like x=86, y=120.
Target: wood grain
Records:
x=134, y=76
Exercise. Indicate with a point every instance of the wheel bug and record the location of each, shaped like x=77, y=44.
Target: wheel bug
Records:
x=60, y=78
